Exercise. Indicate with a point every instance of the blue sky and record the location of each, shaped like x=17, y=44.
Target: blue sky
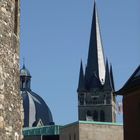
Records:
x=55, y=37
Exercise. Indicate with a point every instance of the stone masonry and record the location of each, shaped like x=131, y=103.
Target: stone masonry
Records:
x=89, y=130
x=11, y=111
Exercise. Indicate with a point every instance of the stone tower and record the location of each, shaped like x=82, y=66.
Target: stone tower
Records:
x=96, y=98
x=11, y=112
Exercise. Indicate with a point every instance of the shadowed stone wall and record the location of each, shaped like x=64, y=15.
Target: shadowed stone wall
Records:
x=70, y=132
x=11, y=111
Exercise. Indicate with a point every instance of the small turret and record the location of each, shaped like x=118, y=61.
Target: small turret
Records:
x=112, y=78
x=107, y=84
x=25, y=78
x=81, y=85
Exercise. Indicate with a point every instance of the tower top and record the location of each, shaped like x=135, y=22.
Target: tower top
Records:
x=95, y=101
x=96, y=62
x=24, y=71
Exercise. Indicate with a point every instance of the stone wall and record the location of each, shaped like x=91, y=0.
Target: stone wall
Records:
x=70, y=132
x=100, y=132
x=11, y=111
x=91, y=131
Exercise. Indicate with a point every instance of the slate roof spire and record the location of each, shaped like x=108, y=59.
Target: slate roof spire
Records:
x=107, y=84
x=95, y=62
x=111, y=77
x=81, y=85
x=132, y=83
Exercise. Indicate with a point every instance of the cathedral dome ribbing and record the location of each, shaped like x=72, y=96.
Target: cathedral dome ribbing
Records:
x=36, y=111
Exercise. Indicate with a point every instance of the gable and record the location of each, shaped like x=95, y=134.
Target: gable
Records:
x=132, y=83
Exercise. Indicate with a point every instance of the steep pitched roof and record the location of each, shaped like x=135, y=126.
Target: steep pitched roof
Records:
x=95, y=62
x=132, y=83
x=81, y=85
x=112, y=78
x=107, y=84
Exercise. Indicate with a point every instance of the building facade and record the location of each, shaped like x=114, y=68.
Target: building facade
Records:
x=90, y=130
x=80, y=130
x=11, y=111
x=131, y=106
x=96, y=98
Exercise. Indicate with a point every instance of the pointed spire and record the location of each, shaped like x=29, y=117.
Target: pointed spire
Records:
x=95, y=62
x=81, y=85
x=111, y=77
x=23, y=67
x=107, y=84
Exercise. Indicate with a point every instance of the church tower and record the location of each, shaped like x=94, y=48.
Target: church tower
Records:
x=11, y=111
x=96, y=98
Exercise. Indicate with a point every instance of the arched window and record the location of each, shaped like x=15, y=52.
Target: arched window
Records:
x=95, y=116
x=22, y=83
x=89, y=116
x=102, y=116
x=81, y=99
x=88, y=113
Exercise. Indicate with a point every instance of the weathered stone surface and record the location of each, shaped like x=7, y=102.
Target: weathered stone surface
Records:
x=1, y=107
x=91, y=131
x=11, y=112
x=100, y=132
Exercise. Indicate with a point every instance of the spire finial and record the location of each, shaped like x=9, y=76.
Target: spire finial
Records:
x=23, y=63
x=95, y=6
x=94, y=2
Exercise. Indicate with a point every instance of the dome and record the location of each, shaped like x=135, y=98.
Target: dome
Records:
x=24, y=72
x=36, y=111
